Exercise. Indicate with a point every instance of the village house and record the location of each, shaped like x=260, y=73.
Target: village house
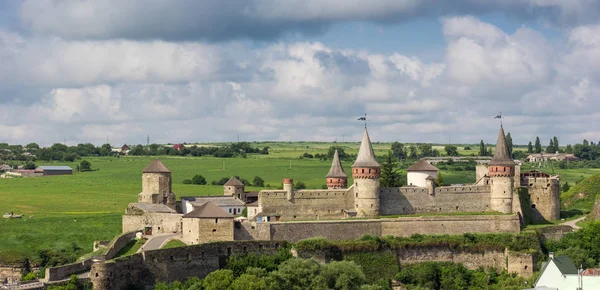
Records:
x=559, y=272
x=541, y=157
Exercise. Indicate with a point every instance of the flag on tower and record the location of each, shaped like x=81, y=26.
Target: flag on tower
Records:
x=499, y=116
x=362, y=119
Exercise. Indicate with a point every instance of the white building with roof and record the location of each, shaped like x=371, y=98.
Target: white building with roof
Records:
x=229, y=204
x=418, y=173
x=559, y=272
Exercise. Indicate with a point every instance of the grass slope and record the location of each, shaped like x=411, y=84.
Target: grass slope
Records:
x=582, y=195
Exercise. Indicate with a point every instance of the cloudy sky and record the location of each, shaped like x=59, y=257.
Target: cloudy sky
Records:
x=191, y=70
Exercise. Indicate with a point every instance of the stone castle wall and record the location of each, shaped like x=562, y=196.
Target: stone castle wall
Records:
x=403, y=227
x=171, y=264
x=203, y=230
x=160, y=222
x=307, y=204
x=447, y=199
x=545, y=198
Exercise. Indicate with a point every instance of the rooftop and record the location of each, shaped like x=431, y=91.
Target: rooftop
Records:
x=233, y=182
x=151, y=207
x=336, y=170
x=501, y=156
x=422, y=165
x=207, y=210
x=55, y=168
x=366, y=156
x=217, y=200
x=156, y=166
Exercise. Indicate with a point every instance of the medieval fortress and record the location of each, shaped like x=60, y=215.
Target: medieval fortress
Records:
x=345, y=211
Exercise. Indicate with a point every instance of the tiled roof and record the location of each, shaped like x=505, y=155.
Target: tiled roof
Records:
x=55, y=168
x=156, y=166
x=422, y=165
x=207, y=210
x=501, y=156
x=366, y=156
x=336, y=170
x=233, y=182
x=217, y=200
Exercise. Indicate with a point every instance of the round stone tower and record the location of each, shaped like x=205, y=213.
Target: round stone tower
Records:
x=501, y=172
x=156, y=185
x=336, y=178
x=366, y=171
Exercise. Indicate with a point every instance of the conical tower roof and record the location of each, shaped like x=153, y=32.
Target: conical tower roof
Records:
x=501, y=156
x=156, y=167
x=336, y=170
x=366, y=156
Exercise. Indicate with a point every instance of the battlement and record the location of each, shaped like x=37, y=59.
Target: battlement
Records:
x=312, y=194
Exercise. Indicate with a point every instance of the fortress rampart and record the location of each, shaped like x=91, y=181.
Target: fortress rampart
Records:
x=400, y=227
x=307, y=204
x=447, y=199
x=172, y=264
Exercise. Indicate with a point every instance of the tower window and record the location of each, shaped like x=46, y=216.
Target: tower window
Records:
x=216, y=221
x=533, y=205
x=363, y=171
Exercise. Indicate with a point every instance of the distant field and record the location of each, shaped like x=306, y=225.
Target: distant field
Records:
x=73, y=211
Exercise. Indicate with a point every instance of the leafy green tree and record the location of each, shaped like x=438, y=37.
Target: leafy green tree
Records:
x=300, y=185
x=565, y=187
x=398, y=150
x=569, y=149
x=538, y=145
x=439, y=181
x=85, y=166
x=390, y=177
x=556, y=146
x=426, y=150
x=299, y=273
x=529, y=148
x=509, y=142
x=258, y=181
x=451, y=150
x=482, y=150
x=198, y=179
x=218, y=280
x=32, y=146
x=29, y=166
x=187, y=181
x=331, y=152
x=550, y=148
x=343, y=275
x=412, y=149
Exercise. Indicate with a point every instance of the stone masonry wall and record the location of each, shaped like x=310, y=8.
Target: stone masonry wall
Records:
x=331, y=230
x=545, y=195
x=117, y=244
x=405, y=227
x=10, y=273
x=447, y=199
x=307, y=204
x=65, y=271
x=492, y=259
x=172, y=264
x=450, y=225
x=160, y=222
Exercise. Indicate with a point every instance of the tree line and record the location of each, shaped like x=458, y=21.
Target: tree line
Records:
x=61, y=152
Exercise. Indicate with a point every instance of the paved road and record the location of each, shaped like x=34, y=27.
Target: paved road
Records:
x=156, y=242
x=573, y=223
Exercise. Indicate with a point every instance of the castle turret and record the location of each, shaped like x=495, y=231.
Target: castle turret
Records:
x=234, y=187
x=288, y=186
x=156, y=185
x=336, y=178
x=366, y=171
x=501, y=172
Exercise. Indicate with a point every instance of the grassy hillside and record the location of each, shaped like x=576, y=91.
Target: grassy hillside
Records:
x=582, y=195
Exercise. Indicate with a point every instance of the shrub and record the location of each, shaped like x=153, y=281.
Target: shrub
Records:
x=258, y=181
x=187, y=181
x=198, y=179
x=85, y=166
x=300, y=185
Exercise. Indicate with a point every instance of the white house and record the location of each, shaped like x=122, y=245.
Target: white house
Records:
x=560, y=273
x=229, y=204
x=418, y=173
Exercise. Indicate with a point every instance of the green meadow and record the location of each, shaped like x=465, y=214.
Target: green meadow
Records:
x=67, y=213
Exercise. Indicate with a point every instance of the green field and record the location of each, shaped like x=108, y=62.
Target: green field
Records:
x=69, y=212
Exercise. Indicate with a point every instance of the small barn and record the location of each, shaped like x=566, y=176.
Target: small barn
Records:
x=54, y=170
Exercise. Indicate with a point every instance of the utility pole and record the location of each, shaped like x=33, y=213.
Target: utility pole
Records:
x=147, y=139
x=290, y=164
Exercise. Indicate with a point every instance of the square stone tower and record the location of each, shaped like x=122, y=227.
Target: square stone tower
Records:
x=156, y=185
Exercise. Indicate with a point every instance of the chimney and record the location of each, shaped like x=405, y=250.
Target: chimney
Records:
x=288, y=186
x=551, y=254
